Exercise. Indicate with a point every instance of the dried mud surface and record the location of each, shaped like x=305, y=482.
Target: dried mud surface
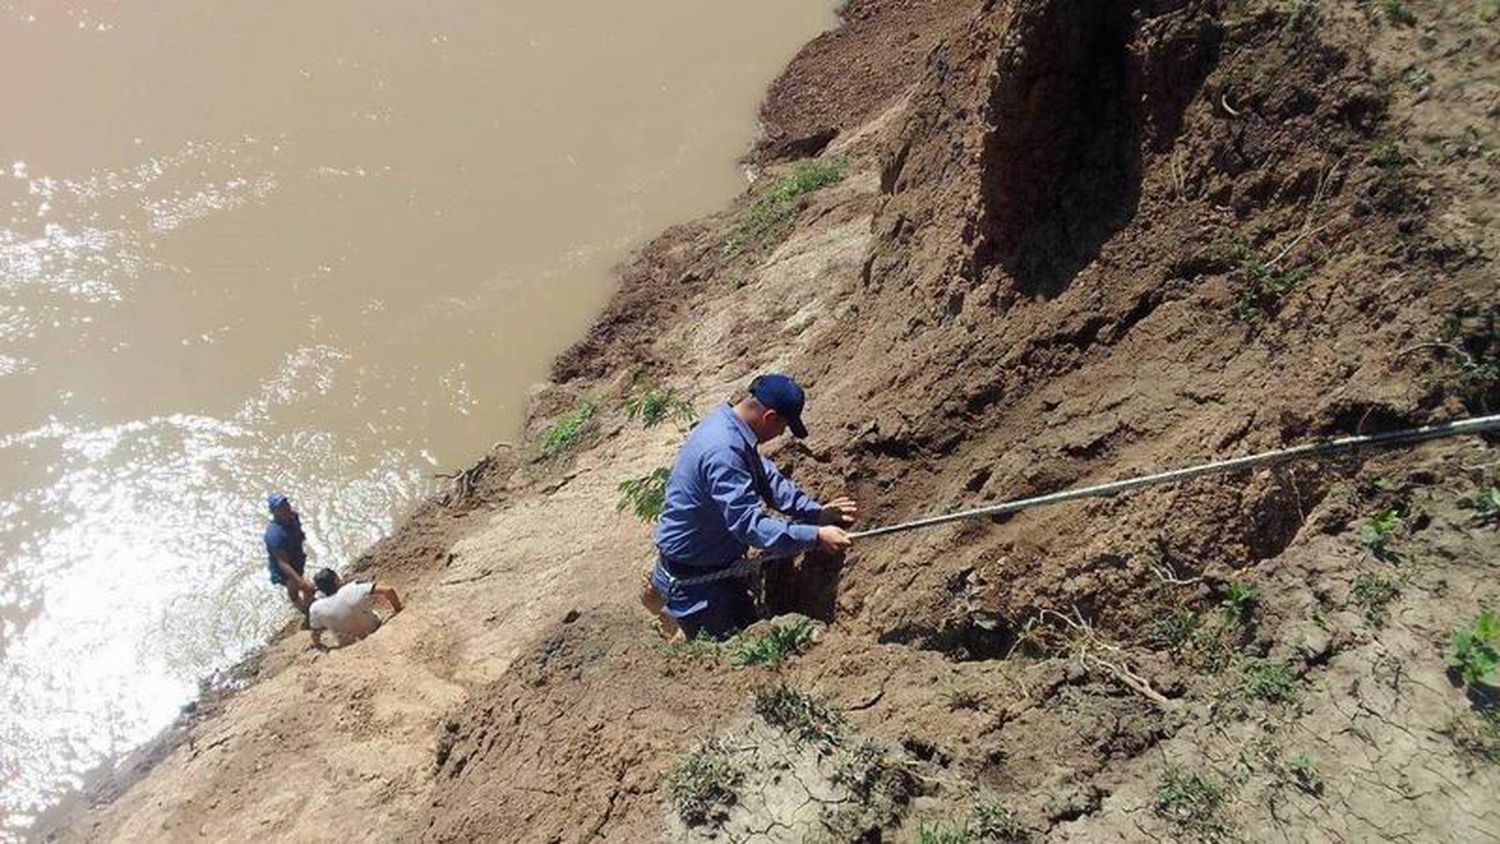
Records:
x=1075, y=242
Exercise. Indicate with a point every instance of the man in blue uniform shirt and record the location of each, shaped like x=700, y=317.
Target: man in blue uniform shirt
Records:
x=284, y=554
x=712, y=511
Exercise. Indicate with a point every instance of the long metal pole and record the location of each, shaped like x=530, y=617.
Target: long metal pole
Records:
x=1427, y=432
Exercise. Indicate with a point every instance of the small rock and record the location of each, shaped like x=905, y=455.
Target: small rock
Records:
x=572, y=616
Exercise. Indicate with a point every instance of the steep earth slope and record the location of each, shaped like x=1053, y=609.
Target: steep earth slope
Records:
x=1075, y=241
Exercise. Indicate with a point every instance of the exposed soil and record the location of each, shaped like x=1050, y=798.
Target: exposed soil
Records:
x=1075, y=242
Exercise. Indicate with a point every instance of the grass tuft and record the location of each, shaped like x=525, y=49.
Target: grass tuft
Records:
x=1268, y=681
x=783, y=642
x=1191, y=801
x=771, y=215
x=803, y=716
x=569, y=430
x=704, y=785
x=1373, y=594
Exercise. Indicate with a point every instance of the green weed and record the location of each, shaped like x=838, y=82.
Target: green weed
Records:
x=944, y=834
x=994, y=822
x=1388, y=155
x=1486, y=505
x=1239, y=601
x=1264, y=285
x=1373, y=594
x=702, y=648
x=1477, y=734
x=645, y=496
x=1470, y=340
x=1173, y=631
x=569, y=430
x=1378, y=531
x=1191, y=801
x=780, y=644
x=803, y=716
x=651, y=404
x=1268, y=681
x=1397, y=13
x=1476, y=651
x=704, y=784
x=771, y=215
x=1305, y=774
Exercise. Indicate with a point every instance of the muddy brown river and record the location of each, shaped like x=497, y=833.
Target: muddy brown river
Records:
x=255, y=245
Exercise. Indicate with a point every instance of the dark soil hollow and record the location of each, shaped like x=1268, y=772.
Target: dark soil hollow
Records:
x=1061, y=169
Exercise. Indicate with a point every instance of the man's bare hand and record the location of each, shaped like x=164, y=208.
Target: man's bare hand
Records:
x=839, y=511
x=832, y=539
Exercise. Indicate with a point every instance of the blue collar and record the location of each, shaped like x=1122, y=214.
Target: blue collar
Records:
x=739, y=425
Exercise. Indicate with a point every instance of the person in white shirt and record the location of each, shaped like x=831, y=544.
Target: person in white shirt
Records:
x=346, y=609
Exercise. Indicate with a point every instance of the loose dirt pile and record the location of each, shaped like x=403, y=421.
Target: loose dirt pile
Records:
x=1075, y=241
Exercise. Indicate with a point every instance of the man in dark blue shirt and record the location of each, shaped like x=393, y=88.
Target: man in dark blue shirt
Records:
x=712, y=510
x=284, y=554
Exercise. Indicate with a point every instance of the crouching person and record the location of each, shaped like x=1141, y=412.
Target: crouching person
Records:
x=347, y=609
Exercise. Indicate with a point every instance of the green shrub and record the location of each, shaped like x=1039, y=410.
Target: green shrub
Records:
x=1373, y=594
x=944, y=834
x=781, y=643
x=651, y=404
x=1173, y=631
x=704, y=784
x=1476, y=651
x=569, y=429
x=1191, y=801
x=645, y=496
x=994, y=822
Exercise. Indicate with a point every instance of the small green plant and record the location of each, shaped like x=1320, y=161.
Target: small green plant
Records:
x=803, y=716
x=1470, y=340
x=645, y=496
x=1476, y=651
x=771, y=215
x=944, y=834
x=1173, y=631
x=1373, y=594
x=1378, y=531
x=1486, y=505
x=699, y=649
x=704, y=785
x=1388, y=155
x=993, y=822
x=651, y=405
x=1397, y=13
x=1268, y=681
x=1477, y=734
x=569, y=429
x=1191, y=802
x=1239, y=601
x=1304, y=770
x=1264, y=284
x=783, y=642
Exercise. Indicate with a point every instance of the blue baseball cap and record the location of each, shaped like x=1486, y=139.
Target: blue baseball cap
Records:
x=275, y=500
x=783, y=395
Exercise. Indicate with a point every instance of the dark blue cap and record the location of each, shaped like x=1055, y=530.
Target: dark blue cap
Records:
x=275, y=500
x=783, y=395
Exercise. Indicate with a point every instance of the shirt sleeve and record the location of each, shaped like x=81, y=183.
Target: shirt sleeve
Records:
x=732, y=489
x=275, y=539
x=788, y=497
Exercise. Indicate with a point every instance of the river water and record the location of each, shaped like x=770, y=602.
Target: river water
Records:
x=319, y=247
